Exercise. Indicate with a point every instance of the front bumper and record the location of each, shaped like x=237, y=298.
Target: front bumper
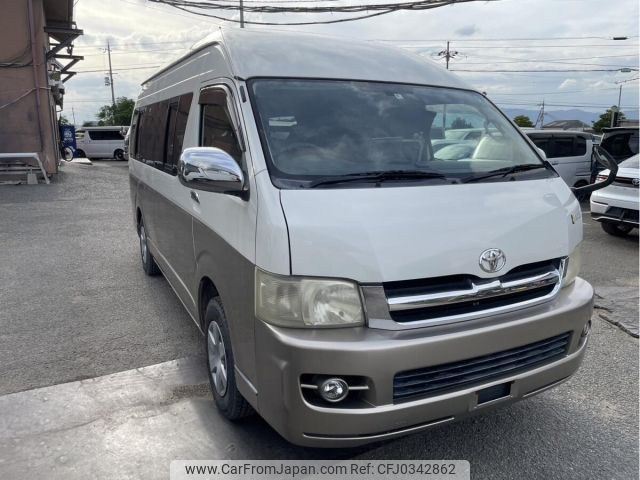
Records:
x=283, y=355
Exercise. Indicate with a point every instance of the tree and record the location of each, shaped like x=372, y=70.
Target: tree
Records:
x=460, y=122
x=63, y=120
x=121, y=115
x=605, y=120
x=523, y=121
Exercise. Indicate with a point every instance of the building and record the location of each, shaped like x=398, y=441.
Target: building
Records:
x=36, y=58
x=574, y=125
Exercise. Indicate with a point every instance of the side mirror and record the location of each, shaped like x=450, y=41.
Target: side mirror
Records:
x=210, y=169
x=607, y=161
x=542, y=153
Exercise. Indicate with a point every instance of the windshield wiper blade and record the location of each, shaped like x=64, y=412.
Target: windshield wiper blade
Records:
x=503, y=172
x=378, y=176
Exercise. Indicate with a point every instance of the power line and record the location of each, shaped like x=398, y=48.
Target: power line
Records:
x=362, y=11
x=555, y=93
x=119, y=69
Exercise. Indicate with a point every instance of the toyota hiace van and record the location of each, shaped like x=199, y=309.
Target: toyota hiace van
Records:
x=351, y=286
x=569, y=152
x=101, y=142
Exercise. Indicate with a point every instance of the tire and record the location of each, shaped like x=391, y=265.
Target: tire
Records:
x=81, y=154
x=149, y=264
x=615, y=229
x=221, y=364
x=119, y=155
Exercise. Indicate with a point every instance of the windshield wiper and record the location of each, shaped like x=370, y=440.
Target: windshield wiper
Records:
x=378, y=176
x=503, y=172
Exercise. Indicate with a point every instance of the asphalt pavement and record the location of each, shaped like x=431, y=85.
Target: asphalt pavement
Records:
x=75, y=305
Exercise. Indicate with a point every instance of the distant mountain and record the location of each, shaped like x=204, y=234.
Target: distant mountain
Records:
x=550, y=115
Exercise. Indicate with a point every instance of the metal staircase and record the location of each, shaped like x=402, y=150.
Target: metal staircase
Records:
x=19, y=168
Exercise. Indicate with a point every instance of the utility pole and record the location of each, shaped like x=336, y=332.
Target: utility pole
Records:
x=616, y=116
x=113, y=97
x=241, y=15
x=447, y=54
x=73, y=113
x=615, y=111
x=541, y=115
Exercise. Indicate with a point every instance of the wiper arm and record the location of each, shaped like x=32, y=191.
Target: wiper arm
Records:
x=503, y=172
x=378, y=176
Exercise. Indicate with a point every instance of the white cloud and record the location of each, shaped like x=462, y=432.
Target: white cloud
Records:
x=568, y=83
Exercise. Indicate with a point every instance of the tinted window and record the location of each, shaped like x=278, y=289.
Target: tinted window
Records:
x=217, y=127
x=580, y=146
x=621, y=144
x=158, y=130
x=562, y=147
x=133, y=133
x=176, y=127
x=105, y=135
x=544, y=144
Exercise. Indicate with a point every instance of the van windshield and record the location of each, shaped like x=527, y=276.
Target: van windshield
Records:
x=333, y=133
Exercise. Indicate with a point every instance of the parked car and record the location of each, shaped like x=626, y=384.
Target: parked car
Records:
x=621, y=142
x=616, y=206
x=350, y=286
x=569, y=152
x=101, y=142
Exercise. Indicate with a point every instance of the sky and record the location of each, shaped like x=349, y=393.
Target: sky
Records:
x=513, y=35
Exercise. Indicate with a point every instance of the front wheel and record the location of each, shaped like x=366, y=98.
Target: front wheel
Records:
x=221, y=364
x=615, y=229
x=149, y=264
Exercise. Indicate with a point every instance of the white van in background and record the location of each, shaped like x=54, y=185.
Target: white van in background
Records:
x=101, y=142
x=569, y=152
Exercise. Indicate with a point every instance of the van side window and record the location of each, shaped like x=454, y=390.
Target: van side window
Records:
x=133, y=134
x=544, y=144
x=176, y=128
x=216, y=128
x=563, y=146
x=105, y=135
x=580, y=146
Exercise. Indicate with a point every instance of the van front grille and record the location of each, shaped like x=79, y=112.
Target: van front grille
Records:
x=463, y=296
x=438, y=379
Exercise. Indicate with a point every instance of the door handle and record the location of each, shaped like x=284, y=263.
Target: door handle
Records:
x=194, y=197
x=555, y=163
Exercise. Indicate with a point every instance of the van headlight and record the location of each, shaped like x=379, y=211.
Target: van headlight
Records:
x=572, y=267
x=300, y=302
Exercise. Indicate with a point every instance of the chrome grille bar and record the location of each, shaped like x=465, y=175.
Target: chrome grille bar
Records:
x=477, y=291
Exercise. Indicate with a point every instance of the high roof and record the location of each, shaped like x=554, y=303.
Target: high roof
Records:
x=276, y=53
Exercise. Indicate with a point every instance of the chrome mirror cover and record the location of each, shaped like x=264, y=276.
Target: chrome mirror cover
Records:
x=210, y=169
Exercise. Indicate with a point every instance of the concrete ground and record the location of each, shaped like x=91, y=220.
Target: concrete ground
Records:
x=75, y=305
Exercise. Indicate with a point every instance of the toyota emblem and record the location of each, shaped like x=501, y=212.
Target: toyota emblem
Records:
x=492, y=260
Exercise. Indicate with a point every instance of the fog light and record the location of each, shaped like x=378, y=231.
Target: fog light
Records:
x=333, y=390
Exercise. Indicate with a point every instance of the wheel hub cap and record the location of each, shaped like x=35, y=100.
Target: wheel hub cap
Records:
x=143, y=243
x=217, y=358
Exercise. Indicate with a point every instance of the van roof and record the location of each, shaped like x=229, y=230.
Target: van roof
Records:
x=289, y=54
